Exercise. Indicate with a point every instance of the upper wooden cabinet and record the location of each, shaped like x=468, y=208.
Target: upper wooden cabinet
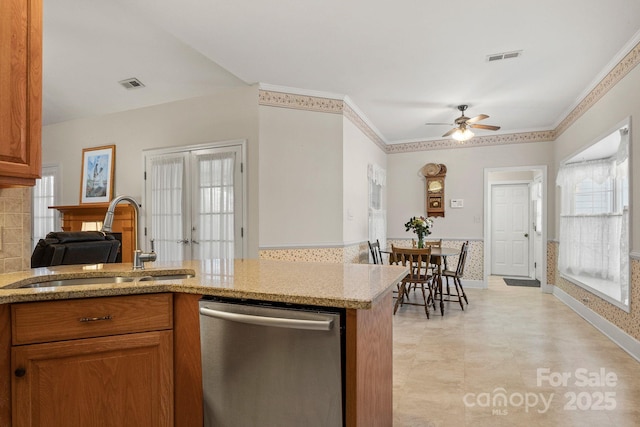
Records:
x=20, y=91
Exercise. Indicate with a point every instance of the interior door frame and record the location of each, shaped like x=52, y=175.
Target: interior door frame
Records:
x=187, y=148
x=537, y=246
x=542, y=169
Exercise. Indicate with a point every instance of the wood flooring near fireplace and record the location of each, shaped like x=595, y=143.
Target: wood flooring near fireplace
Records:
x=514, y=357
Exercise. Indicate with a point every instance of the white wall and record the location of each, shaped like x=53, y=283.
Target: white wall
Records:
x=464, y=180
x=359, y=151
x=225, y=116
x=620, y=102
x=301, y=178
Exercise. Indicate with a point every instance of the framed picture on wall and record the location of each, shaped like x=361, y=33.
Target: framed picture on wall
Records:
x=98, y=167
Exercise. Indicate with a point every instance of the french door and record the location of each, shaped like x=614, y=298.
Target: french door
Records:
x=194, y=203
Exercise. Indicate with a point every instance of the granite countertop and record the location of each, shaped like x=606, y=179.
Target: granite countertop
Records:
x=354, y=286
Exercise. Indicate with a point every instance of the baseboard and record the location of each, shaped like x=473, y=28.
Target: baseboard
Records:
x=614, y=333
x=474, y=284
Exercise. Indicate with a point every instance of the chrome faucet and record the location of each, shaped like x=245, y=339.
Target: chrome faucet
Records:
x=139, y=257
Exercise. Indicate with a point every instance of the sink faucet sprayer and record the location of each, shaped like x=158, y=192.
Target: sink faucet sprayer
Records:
x=139, y=257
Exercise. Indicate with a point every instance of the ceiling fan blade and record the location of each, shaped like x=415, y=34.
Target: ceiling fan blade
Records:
x=438, y=124
x=487, y=127
x=477, y=118
x=450, y=132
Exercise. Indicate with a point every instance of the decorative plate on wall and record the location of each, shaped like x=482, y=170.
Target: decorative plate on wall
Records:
x=431, y=169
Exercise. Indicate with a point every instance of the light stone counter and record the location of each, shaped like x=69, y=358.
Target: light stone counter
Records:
x=354, y=286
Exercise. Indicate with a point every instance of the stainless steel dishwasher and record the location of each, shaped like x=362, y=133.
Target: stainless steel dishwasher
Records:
x=271, y=365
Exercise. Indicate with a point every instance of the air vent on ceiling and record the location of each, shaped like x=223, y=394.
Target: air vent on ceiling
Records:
x=132, y=83
x=504, y=55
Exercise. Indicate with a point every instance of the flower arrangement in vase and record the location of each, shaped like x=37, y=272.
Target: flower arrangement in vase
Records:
x=421, y=226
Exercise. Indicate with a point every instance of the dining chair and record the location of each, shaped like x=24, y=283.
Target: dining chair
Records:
x=415, y=260
x=376, y=255
x=436, y=243
x=457, y=275
x=430, y=244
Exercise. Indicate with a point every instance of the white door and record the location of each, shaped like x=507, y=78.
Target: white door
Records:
x=194, y=203
x=510, y=229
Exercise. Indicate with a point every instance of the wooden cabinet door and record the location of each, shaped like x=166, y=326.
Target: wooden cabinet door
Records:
x=21, y=91
x=117, y=381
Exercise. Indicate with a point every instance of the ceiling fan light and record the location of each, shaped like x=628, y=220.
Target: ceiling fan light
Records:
x=462, y=135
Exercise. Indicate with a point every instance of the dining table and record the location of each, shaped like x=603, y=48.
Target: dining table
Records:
x=439, y=259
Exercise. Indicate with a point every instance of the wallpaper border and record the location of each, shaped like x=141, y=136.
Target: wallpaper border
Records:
x=274, y=98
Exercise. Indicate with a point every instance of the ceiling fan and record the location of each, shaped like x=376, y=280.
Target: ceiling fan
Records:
x=462, y=132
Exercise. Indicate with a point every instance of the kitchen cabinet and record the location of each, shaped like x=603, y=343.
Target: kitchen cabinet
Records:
x=187, y=374
x=369, y=365
x=21, y=89
x=78, y=361
x=364, y=291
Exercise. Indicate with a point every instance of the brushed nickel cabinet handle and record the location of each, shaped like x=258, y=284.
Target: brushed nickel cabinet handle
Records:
x=276, y=322
x=95, y=319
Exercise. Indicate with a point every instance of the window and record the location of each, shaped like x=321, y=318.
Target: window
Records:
x=591, y=197
x=377, y=214
x=536, y=197
x=594, y=218
x=45, y=193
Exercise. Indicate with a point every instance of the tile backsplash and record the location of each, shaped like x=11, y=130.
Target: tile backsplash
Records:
x=15, y=229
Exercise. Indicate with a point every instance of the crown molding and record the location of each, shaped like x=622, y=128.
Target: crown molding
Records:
x=338, y=106
x=299, y=91
x=309, y=102
x=628, y=63
x=300, y=99
x=601, y=76
x=300, y=102
x=477, y=141
x=357, y=120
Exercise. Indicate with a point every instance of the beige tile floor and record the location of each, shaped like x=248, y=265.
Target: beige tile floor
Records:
x=453, y=370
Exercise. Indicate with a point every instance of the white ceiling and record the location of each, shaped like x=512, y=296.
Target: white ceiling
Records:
x=402, y=63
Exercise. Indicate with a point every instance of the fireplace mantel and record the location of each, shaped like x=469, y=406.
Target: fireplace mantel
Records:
x=124, y=222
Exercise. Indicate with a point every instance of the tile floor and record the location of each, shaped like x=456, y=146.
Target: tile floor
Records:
x=459, y=369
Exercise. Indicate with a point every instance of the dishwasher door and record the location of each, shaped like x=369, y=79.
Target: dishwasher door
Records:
x=270, y=366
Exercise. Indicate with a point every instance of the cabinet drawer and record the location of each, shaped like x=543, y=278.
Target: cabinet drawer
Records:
x=91, y=317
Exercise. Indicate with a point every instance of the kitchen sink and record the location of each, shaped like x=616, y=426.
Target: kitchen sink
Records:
x=167, y=277
x=97, y=281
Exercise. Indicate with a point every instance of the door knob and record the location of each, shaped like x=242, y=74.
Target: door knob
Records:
x=526, y=234
x=20, y=372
